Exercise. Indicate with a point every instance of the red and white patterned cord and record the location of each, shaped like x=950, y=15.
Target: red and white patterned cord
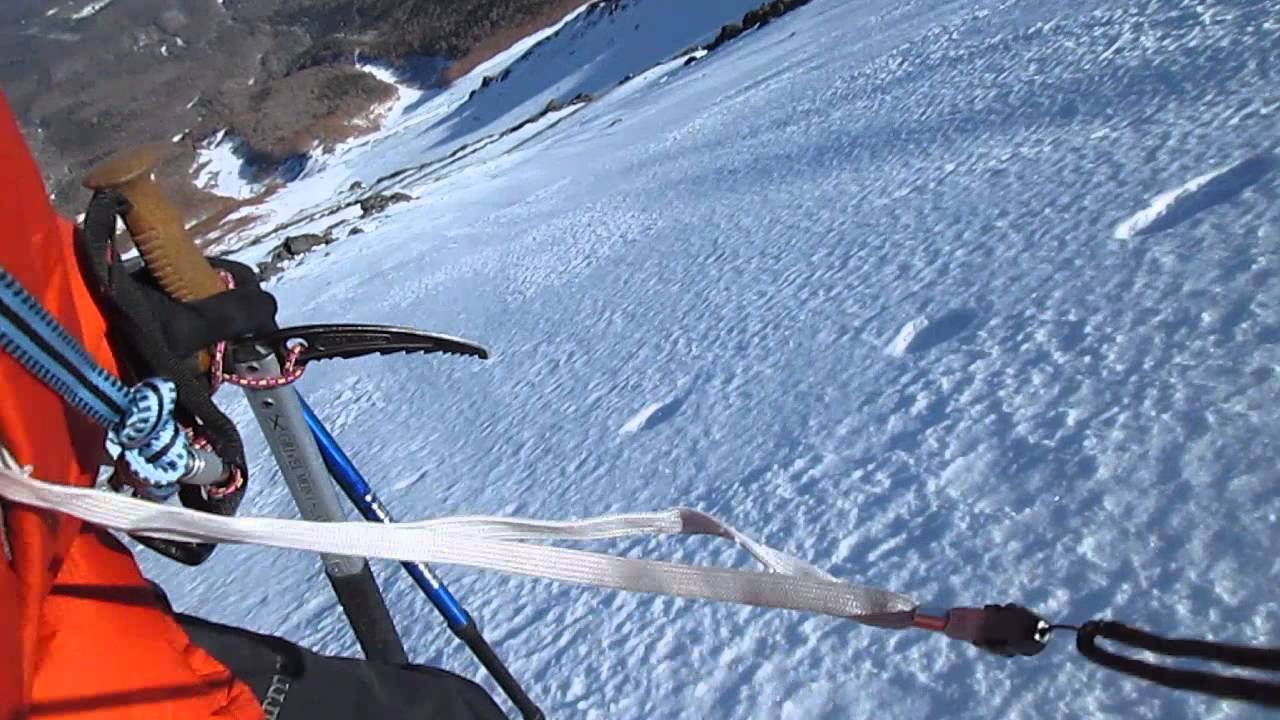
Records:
x=289, y=373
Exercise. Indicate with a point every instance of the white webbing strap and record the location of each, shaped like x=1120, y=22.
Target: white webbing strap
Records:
x=6, y=462
x=497, y=544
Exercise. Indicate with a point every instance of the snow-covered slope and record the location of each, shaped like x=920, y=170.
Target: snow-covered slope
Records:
x=595, y=50
x=852, y=282
x=589, y=52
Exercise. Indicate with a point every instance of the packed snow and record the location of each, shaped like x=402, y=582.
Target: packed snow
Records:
x=850, y=282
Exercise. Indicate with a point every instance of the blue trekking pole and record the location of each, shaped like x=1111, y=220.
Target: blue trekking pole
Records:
x=460, y=622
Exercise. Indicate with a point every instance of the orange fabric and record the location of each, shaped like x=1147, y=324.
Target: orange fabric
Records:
x=81, y=633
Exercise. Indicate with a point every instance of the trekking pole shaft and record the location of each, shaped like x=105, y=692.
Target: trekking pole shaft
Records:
x=371, y=507
x=470, y=634
x=361, y=494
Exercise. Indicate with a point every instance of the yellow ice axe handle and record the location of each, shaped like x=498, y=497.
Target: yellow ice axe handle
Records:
x=156, y=225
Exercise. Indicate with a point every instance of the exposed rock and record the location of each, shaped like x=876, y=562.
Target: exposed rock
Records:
x=299, y=244
x=267, y=270
x=271, y=266
x=356, y=186
x=727, y=33
x=488, y=80
x=355, y=231
x=756, y=18
x=553, y=105
x=375, y=204
x=293, y=246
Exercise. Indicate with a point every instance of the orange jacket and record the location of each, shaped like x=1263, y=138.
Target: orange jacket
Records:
x=81, y=633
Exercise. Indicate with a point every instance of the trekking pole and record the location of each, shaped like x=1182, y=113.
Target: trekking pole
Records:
x=185, y=275
x=460, y=622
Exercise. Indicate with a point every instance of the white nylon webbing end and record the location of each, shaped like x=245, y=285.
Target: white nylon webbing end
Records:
x=499, y=544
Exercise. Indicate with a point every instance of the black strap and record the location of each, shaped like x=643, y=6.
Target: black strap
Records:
x=1225, y=686
x=148, y=328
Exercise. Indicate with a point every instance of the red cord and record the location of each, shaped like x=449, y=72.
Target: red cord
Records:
x=289, y=374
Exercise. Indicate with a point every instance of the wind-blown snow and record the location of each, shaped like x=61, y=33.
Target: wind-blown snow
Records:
x=1080, y=425
x=906, y=336
x=1181, y=203
x=91, y=9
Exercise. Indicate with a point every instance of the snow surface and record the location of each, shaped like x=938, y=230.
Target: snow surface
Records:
x=220, y=169
x=717, y=256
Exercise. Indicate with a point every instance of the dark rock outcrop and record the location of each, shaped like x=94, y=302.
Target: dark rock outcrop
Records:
x=292, y=247
x=758, y=17
x=299, y=244
x=375, y=204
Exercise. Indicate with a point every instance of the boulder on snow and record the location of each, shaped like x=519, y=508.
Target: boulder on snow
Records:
x=271, y=267
x=375, y=204
x=299, y=244
x=267, y=270
x=292, y=247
